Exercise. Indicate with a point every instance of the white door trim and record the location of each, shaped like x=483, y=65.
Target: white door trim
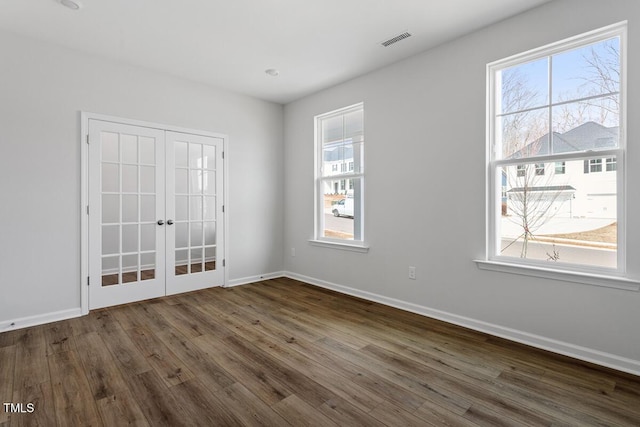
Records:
x=84, y=190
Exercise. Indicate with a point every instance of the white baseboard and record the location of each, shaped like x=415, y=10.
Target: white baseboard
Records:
x=40, y=319
x=253, y=279
x=582, y=353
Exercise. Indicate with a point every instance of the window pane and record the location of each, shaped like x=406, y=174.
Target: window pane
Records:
x=110, y=151
x=129, y=144
x=588, y=71
x=568, y=217
x=129, y=208
x=181, y=154
x=147, y=150
x=354, y=126
x=147, y=208
x=110, y=177
x=182, y=181
x=524, y=86
x=589, y=125
x=110, y=208
x=338, y=216
x=525, y=134
x=209, y=156
x=332, y=129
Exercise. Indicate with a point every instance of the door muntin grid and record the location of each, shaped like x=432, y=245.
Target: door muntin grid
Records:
x=128, y=203
x=195, y=207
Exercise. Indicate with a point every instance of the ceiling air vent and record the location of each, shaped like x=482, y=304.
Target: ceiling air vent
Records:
x=395, y=39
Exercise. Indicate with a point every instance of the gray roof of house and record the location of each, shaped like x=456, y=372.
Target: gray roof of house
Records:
x=587, y=136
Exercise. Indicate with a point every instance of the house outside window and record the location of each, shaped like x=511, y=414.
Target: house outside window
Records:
x=558, y=108
x=340, y=139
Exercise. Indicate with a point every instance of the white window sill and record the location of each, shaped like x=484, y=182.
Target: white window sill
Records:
x=339, y=245
x=564, y=275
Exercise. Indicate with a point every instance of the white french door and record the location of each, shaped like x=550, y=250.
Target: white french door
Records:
x=195, y=211
x=155, y=212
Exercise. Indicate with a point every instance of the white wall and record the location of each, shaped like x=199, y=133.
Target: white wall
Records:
x=43, y=88
x=425, y=129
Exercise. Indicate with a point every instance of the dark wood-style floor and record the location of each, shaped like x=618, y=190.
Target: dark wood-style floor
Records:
x=283, y=353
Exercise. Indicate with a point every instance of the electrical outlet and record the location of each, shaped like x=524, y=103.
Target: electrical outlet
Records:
x=412, y=273
x=293, y=252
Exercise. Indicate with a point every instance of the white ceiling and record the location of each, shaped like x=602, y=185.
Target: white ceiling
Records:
x=230, y=43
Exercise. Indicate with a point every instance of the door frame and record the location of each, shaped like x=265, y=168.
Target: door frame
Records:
x=84, y=191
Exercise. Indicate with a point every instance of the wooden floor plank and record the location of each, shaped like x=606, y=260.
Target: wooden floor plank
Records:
x=100, y=367
x=392, y=415
x=70, y=391
x=280, y=352
x=168, y=366
x=253, y=376
x=31, y=352
x=299, y=413
x=41, y=396
x=158, y=405
x=121, y=408
x=345, y=414
x=201, y=406
x=127, y=356
x=250, y=410
x=7, y=366
x=203, y=367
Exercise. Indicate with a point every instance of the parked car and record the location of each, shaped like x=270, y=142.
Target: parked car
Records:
x=343, y=207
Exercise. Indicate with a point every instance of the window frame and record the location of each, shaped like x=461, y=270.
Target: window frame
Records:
x=358, y=244
x=600, y=276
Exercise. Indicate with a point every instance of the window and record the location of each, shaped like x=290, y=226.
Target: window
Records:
x=559, y=109
x=340, y=139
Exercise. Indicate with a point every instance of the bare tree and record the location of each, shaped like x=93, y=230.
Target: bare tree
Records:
x=600, y=86
x=530, y=201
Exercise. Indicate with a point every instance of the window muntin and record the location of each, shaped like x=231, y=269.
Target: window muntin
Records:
x=550, y=111
x=339, y=189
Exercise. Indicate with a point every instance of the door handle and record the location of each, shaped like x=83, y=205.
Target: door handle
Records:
x=170, y=222
x=160, y=222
